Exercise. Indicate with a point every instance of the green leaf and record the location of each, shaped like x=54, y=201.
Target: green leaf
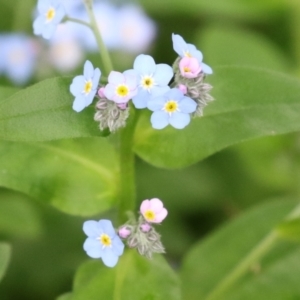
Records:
x=5, y=92
x=213, y=259
x=231, y=46
x=44, y=112
x=249, y=103
x=76, y=176
x=134, y=278
x=18, y=216
x=67, y=296
x=4, y=258
x=289, y=229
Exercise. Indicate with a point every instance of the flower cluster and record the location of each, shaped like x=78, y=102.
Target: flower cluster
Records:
x=147, y=85
x=104, y=242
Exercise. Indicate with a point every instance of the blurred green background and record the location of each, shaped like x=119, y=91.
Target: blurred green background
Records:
x=47, y=244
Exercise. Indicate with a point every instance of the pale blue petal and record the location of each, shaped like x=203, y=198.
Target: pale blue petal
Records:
x=77, y=85
x=96, y=78
x=89, y=98
x=141, y=99
x=91, y=229
x=109, y=91
x=174, y=94
x=88, y=70
x=116, y=77
x=206, y=69
x=79, y=104
x=131, y=81
x=144, y=64
x=163, y=74
x=187, y=105
x=92, y=243
x=179, y=120
x=156, y=103
x=159, y=119
x=38, y=25
x=130, y=72
x=48, y=31
x=117, y=246
x=107, y=227
x=59, y=14
x=159, y=90
x=179, y=45
x=195, y=52
x=43, y=6
x=109, y=258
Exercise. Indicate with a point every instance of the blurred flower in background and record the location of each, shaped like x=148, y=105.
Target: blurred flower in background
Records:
x=18, y=56
x=123, y=27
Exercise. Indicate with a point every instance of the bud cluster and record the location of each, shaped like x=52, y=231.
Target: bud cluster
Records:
x=110, y=114
x=193, y=87
x=141, y=234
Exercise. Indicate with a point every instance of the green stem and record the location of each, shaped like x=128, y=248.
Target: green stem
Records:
x=253, y=257
x=127, y=190
x=107, y=64
x=74, y=20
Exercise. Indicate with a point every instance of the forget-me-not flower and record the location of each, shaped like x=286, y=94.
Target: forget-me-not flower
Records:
x=18, y=54
x=152, y=79
x=121, y=87
x=189, y=50
x=51, y=13
x=172, y=108
x=102, y=242
x=84, y=87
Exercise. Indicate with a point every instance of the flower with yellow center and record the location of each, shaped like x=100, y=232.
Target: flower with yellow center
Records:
x=105, y=240
x=122, y=90
x=50, y=14
x=147, y=82
x=153, y=210
x=88, y=87
x=171, y=106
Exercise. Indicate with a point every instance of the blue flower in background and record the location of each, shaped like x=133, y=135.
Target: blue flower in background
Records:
x=189, y=50
x=18, y=54
x=84, y=87
x=172, y=108
x=102, y=242
x=51, y=13
x=152, y=79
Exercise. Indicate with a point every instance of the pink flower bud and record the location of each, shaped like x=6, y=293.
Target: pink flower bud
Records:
x=189, y=67
x=101, y=92
x=145, y=227
x=182, y=88
x=124, y=233
x=122, y=105
x=153, y=210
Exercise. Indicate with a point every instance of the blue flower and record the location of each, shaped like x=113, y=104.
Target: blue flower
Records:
x=189, y=50
x=172, y=108
x=152, y=79
x=84, y=87
x=102, y=242
x=51, y=13
x=17, y=57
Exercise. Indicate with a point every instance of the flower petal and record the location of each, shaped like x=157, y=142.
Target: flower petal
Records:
x=117, y=245
x=187, y=105
x=144, y=206
x=161, y=215
x=163, y=74
x=91, y=229
x=156, y=103
x=79, y=103
x=159, y=119
x=109, y=91
x=109, y=258
x=206, y=69
x=179, y=45
x=77, y=85
x=156, y=205
x=179, y=120
x=116, y=77
x=144, y=64
x=131, y=81
x=88, y=70
x=107, y=227
x=141, y=99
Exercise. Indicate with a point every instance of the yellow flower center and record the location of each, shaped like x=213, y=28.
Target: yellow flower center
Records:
x=88, y=87
x=122, y=90
x=147, y=82
x=105, y=240
x=149, y=215
x=171, y=106
x=186, y=69
x=50, y=14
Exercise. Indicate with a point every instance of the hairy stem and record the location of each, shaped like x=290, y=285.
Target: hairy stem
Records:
x=74, y=20
x=107, y=64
